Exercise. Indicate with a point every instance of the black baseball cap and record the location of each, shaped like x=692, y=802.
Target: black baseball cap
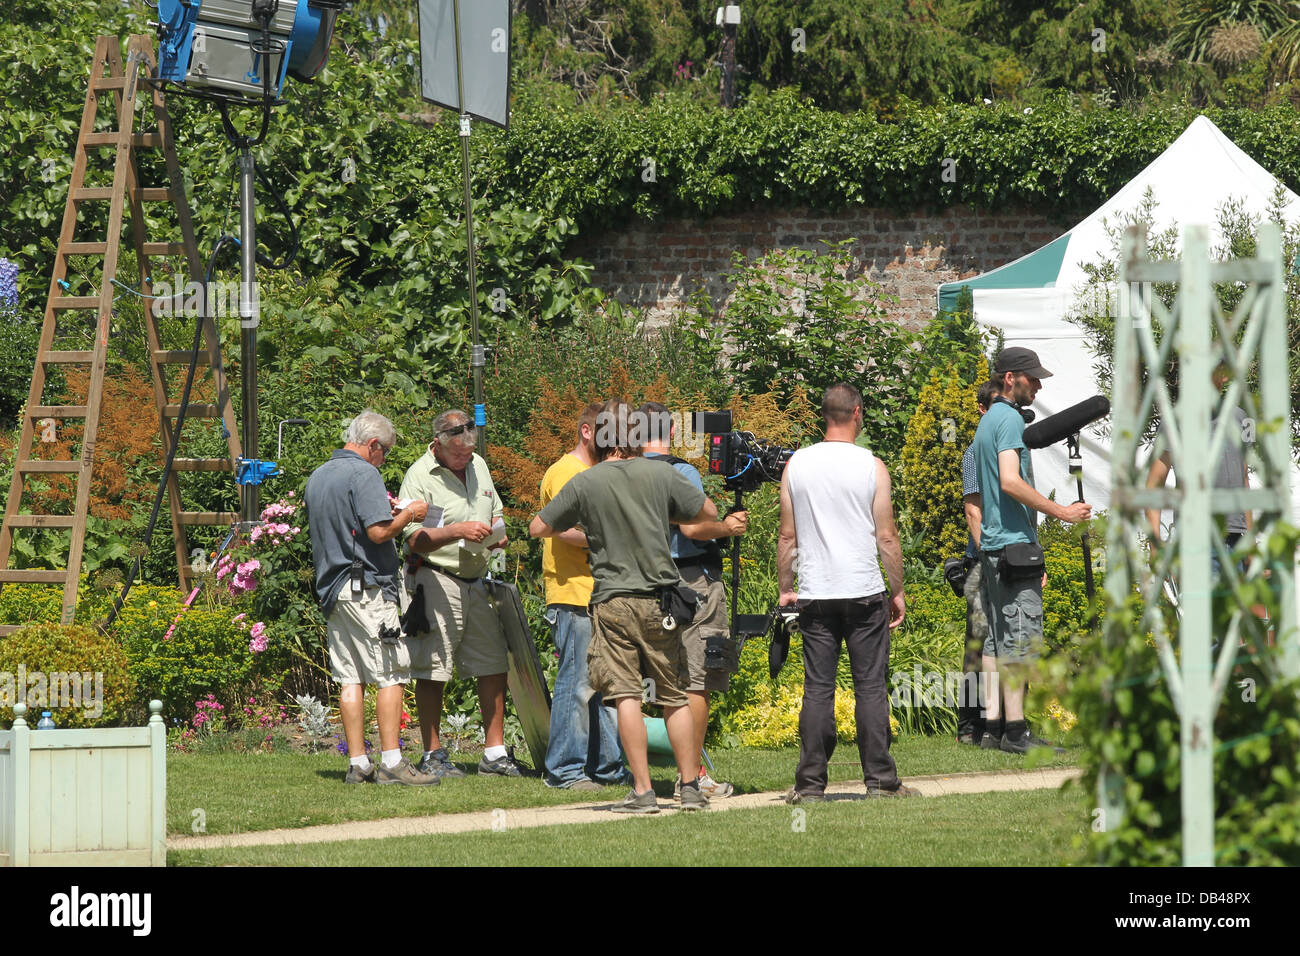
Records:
x=1017, y=359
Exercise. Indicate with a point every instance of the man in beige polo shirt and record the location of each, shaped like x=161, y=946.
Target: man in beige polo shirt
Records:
x=447, y=560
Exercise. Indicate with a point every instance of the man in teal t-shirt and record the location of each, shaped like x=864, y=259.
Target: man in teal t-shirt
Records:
x=1013, y=604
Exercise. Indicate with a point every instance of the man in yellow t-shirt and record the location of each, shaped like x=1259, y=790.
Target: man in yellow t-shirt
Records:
x=584, y=752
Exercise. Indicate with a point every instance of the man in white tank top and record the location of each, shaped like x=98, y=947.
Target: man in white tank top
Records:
x=836, y=511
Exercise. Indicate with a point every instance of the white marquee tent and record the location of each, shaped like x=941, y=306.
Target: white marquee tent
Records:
x=1029, y=298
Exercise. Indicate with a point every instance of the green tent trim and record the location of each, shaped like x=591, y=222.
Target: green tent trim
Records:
x=1038, y=270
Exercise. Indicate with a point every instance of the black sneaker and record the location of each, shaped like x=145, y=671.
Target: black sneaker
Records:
x=1027, y=743
x=501, y=767
x=439, y=764
x=990, y=741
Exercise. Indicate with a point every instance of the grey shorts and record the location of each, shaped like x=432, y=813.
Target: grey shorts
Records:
x=1014, y=611
x=710, y=619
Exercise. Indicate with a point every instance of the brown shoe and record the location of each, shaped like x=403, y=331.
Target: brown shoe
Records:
x=405, y=773
x=902, y=790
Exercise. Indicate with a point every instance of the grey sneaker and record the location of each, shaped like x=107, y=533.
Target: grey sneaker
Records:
x=692, y=796
x=637, y=803
x=795, y=797
x=584, y=783
x=501, y=767
x=406, y=773
x=902, y=790
x=439, y=764
x=357, y=775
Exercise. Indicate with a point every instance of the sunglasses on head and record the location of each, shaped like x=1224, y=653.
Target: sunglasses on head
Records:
x=458, y=429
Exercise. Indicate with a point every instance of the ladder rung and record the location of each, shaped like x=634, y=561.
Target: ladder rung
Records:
x=56, y=411
x=207, y=517
x=68, y=302
x=85, y=248
x=193, y=410
x=178, y=357
x=50, y=467
x=108, y=83
x=164, y=248
x=32, y=576
x=202, y=464
x=41, y=521
x=91, y=193
x=8, y=628
x=111, y=138
x=156, y=194
x=67, y=358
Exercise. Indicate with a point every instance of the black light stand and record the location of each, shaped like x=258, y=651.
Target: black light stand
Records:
x=1076, y=469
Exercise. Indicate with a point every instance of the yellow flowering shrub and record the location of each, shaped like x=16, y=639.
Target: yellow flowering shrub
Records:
x=772, y=720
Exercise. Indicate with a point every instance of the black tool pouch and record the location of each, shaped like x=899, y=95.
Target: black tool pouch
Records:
x=1021, y=562
x=954, y=572
x=678, y=604
x=415, y=620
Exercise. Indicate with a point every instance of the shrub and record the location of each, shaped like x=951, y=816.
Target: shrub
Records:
x=206, y=653
x=772, y=721
x=938, y=433
x=52, y=662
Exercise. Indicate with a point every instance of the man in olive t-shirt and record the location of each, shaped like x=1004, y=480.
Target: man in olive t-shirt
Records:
x=626, y=504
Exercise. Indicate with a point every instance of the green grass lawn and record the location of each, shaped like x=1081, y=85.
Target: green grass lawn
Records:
x=1025, y=828
x=241, y=792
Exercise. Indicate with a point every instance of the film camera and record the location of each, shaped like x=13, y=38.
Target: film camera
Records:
x=743, y=461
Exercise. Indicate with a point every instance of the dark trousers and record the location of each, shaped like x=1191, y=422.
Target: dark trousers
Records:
x=863, y=625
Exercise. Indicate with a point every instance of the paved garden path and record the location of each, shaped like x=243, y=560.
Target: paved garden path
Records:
x=938, y=785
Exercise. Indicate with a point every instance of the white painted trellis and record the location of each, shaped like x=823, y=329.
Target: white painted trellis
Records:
x=1202, y=336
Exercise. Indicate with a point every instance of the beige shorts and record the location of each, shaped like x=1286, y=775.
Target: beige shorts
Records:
x=467, y=630
x=631, y=655
x=710, y=618
x=357, y=655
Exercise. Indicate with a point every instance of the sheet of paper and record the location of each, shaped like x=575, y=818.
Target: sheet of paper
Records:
x=434, y=518
x=478, y=547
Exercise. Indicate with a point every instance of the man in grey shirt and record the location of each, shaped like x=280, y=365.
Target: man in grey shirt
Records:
x=625, y=504
x=352, y=527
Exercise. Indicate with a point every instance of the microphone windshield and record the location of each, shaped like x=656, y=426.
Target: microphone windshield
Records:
x=1065, y=423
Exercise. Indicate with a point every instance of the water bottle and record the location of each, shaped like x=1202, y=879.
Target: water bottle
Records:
x=46, y=722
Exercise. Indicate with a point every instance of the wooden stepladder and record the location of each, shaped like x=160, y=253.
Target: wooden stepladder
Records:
x=130, y=92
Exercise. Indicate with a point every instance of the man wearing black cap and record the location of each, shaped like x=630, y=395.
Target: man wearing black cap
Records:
x=1011, y=562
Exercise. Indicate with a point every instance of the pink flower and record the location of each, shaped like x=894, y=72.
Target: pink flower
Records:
x=291, y=494
x=239, y=617
x=257, y=644
x=258, y=630
x=248, y=567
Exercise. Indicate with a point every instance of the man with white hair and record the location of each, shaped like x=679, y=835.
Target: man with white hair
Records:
x=447, y=563
x=352, y=528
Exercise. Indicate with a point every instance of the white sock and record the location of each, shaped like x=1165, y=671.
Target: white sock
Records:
x=363, y=762
x=390, y=759
x=493, y=753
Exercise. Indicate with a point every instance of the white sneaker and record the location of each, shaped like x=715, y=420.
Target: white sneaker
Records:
x=708, y=786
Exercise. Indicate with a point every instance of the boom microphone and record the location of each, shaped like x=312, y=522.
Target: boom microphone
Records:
x=1065, y=423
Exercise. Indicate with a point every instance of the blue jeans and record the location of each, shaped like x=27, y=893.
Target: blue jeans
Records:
x=576, y=752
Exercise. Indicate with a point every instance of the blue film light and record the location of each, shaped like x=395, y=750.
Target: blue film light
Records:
x=220, y=45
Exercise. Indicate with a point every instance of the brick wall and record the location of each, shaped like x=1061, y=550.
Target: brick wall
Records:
x=655, y=266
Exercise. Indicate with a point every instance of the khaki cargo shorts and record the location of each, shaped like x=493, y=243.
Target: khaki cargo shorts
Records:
x=710, y=619
x=357, y=655
x=631, y=655
x=467, y=631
